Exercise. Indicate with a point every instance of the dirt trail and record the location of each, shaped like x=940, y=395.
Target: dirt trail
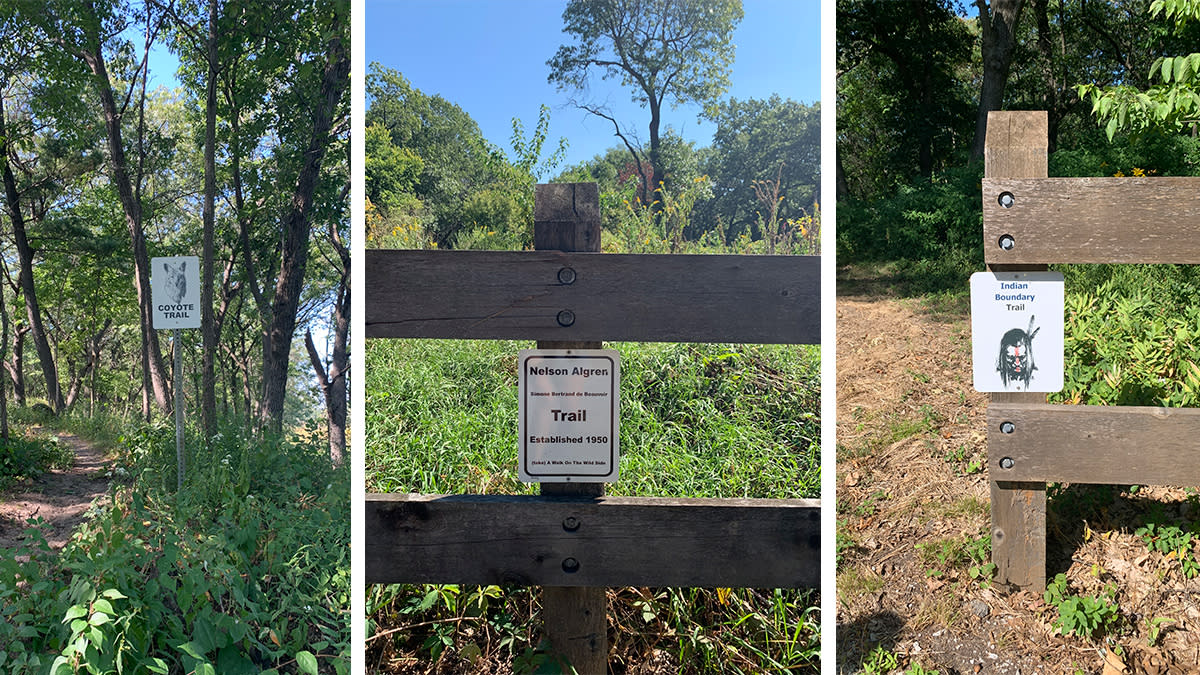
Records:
x=61, y=498
x=912, y=494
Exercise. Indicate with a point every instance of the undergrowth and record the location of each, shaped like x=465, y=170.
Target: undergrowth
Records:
x=245, y=570
x=696, y=421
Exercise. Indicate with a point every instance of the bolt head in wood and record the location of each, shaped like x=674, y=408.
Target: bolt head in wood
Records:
x=566, y=276
x=570, y=565
x=566, y=318
x=1007, y=242
x=1007, y=200
x=570, y=523
x=1007, y=427
x=1006, y=463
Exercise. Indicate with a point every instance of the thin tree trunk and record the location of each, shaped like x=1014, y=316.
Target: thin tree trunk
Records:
x=25, y=276
x=208, y=329
x=998, y=24
x=277, y=343
x=152, y=359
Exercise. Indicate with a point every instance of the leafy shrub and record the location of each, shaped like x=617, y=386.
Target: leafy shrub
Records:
x=1086, y=616
x=245, y=570
x=31, y=457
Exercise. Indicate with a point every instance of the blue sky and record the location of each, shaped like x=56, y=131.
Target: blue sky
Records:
x=489, y=57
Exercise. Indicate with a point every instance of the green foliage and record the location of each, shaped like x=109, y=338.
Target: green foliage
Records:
x=244, y=571
x=950, y=555
x=1133, y=345
x=696, y=420
x=1084, y=616
x=926, y=220
x=28, y=458
x=1169, y=105
x=1173, y=542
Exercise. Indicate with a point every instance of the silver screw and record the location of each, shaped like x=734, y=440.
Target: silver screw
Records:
x=1007, y=200
x=1007, y=427
x=1006, y=463
x=1007, y=242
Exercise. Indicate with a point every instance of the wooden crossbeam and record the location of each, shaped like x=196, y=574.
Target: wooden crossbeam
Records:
x=1092, y=220
x=1094, y=444
x=550, y=295
x=605, y=541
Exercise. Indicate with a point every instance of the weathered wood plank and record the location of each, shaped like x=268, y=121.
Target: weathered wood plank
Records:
x=613, y=541
x=656, y=298
x=1095, y=444
x=1093, y=220
x=566, y=217
x=1016, y=148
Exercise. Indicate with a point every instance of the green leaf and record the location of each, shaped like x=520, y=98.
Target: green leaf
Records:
x=114, y=594
x=99, y=619
x=104, y=606
x=76, y=612
x=306, y=662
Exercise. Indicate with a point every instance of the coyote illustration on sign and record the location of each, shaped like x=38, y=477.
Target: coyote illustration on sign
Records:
x=176, y=286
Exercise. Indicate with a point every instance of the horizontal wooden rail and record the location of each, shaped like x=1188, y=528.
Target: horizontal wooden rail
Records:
x=1092, y=220
x=1094, y=444
x=548, y=295
x=604, y=541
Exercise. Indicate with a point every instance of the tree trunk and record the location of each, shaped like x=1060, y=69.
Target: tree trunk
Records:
x=208, y=331
x=333, y=381
x=152, y=361
x=277, y=342
x=16, y=367
x=25, y=276
x=90, y=365
x=998, y=24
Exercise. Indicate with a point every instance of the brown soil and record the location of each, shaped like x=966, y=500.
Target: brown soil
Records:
x=912, y=485
x=61, y=498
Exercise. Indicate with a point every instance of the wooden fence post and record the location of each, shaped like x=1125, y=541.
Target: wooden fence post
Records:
x=567, y=218
x=1016, y=148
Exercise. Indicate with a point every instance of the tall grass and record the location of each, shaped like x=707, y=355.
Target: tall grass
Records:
x=697, y=420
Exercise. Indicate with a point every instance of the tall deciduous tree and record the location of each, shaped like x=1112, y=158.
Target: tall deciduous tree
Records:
x=998, y=23
x=327, y=108
x=675, y=52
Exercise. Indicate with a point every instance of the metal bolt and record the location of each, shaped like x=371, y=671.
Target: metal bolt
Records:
x=566, y=318
x=1007, y=200
x=1007, y=427
x=1007, y=242
x=566, y=275
x=570, y=565
x=570, y=523
x=1006, y=463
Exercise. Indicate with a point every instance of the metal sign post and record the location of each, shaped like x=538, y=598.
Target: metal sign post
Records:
x=175, y=294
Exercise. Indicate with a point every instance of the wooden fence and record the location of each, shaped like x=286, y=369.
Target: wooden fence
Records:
x=572, y=539
x=1030, y=220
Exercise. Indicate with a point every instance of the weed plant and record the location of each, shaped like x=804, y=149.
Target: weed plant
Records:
x=245, y=570
x=24, y=458
x=696, y=421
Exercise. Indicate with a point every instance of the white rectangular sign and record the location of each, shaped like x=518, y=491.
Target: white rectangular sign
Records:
x=1017, y=331
x=175, y=291
x=569, y=404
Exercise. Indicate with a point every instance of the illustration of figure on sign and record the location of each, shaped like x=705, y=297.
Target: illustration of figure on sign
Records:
x=176, y=286
x=1015, y=363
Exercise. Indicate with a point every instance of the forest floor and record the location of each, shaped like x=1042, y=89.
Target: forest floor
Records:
x=913, y=519
x=61, y=498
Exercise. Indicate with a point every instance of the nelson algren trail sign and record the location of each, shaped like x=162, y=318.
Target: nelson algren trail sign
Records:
x=569, y=403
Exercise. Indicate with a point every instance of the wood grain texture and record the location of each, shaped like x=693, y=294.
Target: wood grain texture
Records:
x=1016, y=148
x=1096, y=444
x=1093, y=220
x=575, y=618
x=616, y=541
x=655, y=298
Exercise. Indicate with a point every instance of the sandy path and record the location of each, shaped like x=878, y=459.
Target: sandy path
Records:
x=61, y=498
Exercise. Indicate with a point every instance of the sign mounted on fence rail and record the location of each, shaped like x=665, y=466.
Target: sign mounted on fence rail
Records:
x=175, y=291
x=569, y=404
x=1017, y=331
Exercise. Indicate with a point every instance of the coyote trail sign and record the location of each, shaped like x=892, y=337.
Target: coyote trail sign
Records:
x=569, y=400
x=175, y=291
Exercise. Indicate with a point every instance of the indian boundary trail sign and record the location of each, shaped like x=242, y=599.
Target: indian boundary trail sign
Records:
x=1017, y=331
x=569, y=400
x=175, y=291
